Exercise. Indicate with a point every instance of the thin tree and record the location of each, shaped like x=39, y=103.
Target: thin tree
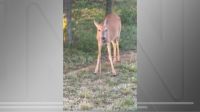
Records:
x=69, y=16
x=108, y=6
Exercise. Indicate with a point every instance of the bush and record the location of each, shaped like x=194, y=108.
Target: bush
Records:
x=127, y=10
x=128, y=16
x=74, y=58
x=128, y=37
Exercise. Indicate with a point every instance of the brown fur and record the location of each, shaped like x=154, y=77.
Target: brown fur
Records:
x=110, y=29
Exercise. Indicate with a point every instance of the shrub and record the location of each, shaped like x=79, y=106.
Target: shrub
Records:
x=74, y=58
x=128, y=37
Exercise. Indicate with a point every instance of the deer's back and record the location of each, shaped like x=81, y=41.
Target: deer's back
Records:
x=114, y=26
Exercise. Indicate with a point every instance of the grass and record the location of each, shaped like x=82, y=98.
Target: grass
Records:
x=85, y=106
x=74, y=59
x=85, y=91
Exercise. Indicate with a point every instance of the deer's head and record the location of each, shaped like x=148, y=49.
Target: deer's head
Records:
x=102, y=31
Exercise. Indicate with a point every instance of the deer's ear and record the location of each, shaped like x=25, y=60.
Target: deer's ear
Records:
x=96, y=24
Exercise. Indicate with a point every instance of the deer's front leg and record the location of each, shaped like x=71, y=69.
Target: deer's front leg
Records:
x=98, y=58
x=110, y=58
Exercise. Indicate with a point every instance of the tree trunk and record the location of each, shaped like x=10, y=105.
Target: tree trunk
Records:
x=69, y=16
x=108, y=6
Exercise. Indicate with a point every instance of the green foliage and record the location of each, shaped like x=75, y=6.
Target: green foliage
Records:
x=127, y=9
x=86, y=41
x=74, y=58
x=128, y=67
x=128, y=38
x=84, y=31
x=84, y=12
x=128, y=16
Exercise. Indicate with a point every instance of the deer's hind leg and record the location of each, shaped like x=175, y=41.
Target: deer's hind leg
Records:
x=118, y=52
x=114, y=51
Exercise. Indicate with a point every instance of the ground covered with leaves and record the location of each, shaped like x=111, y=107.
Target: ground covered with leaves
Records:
x=86, y=91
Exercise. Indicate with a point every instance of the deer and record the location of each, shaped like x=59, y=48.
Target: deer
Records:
x=108, y=32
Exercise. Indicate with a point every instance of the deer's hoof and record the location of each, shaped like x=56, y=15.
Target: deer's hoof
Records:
x=114, y=73
x=114, y=60
x=95, y=72
x=118, y=60
x=107, y=62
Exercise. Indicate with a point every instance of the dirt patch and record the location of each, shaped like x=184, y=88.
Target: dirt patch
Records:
x=126, y=57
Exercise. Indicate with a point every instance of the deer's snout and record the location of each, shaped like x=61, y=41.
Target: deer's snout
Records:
x=104, y=39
